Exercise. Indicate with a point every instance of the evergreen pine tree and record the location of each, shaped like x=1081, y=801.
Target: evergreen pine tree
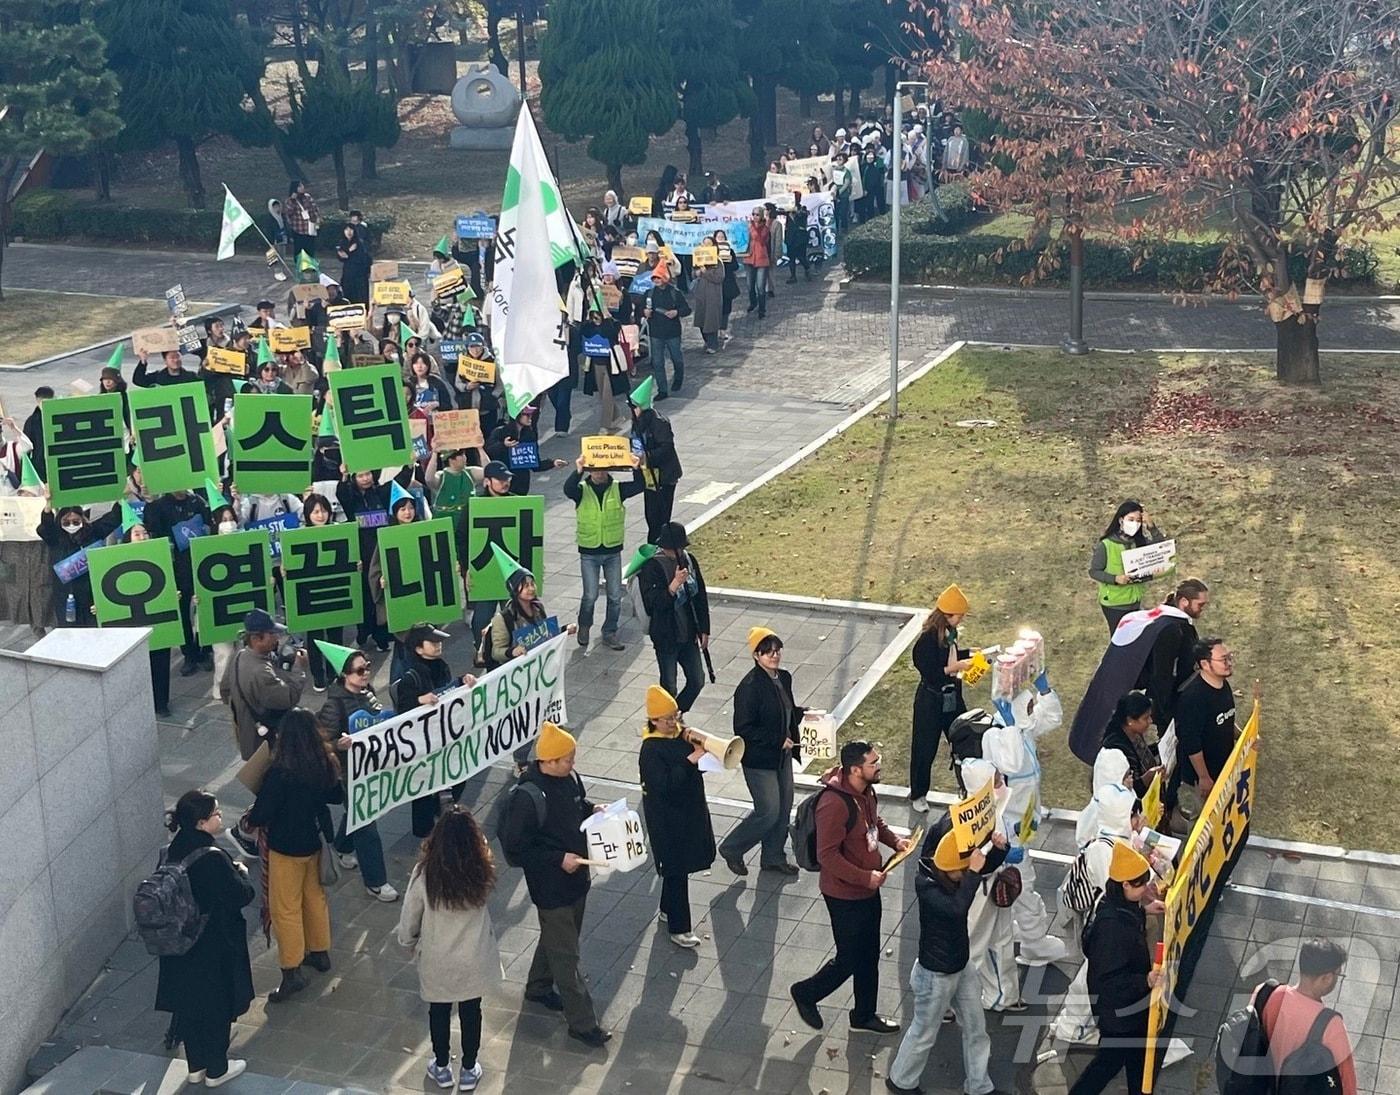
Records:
x=711, y=82
x=605, y=74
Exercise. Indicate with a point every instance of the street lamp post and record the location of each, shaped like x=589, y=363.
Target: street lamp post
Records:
x=898, y=152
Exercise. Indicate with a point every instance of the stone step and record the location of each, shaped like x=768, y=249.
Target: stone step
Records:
x=100, y=1070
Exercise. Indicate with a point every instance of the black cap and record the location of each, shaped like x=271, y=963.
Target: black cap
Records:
x=259, y=622
x=421, y=633
x=496, y=469
x=673, y=536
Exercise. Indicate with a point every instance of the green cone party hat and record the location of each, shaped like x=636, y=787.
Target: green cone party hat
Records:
x=505, y=564
x=327, y=427
x=336, y=655
x=118, y=354
x=442, y=247
x=28, y=477
x=331, y=360
x=645, y=552
x=643, y=394
x=130, y=517
x=265, y=353
x=405, y=333
x=213, y=495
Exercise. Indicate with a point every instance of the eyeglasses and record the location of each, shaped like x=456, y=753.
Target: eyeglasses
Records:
x=1228, y=659
x=357, y=671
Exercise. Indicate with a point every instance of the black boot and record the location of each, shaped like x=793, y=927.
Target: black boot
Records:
x=318, y=960
x=292, y=983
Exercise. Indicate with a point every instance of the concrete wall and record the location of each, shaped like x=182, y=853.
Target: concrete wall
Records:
x=80, y=821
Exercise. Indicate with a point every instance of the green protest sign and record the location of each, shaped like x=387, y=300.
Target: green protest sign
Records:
x=371, y=417
x=232, y=576
x=174, y=445
x=85, y=446
x=272, y=443
x=418, y=563
x=133, y=585
x=321, y=576
x=515, y=524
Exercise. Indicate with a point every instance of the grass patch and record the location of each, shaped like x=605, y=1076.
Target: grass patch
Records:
x=1283, y=499
x=40, y=324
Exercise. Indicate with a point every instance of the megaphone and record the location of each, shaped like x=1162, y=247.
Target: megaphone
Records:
x=729, y=751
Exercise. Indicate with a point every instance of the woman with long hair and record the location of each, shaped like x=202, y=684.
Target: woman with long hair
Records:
x=291, y=803
x=1130, y=527
x=1127, y=731
x=211, y=984
x=446, y=921
x=317, y=511
x=938, y=700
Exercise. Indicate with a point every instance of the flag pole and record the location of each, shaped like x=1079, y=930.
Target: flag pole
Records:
x=253, y=221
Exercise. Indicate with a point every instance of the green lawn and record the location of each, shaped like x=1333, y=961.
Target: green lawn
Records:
x=1284, y=500
x=35, y=325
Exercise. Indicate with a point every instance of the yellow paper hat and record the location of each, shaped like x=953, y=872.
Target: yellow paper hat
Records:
x=660, y=703
x=554, y=743
x=946, y=856
x=757, y=635
x=1127, y=864
x=951, y=601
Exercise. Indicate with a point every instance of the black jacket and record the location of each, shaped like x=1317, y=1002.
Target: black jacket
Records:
x=160, y=518
x=34, y=430
x=655, y=581
x=666, y=298
x=1168, y=667
x=341, y=703
x=213, y=978
x=143, y=379
x=62, y=544
x=758, y=719
x=354, y=501
x=421, y=675
x=658, y=446
x=1115, y=944
x=497, y=449
x=1118, y=738
x=290, y=811
x=943, y=946
x=541, y=848
x=673, y=803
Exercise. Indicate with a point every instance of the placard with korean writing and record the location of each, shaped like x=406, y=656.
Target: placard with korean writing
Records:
x=155, y=340
x=450, y=349
x=133, y=585
x=449, y=284
x=284, y=340
x=477, y=226
x=524, y=456
x=371, y=417
x=418, y=563
x=390, y=293
x=232, y=576
x=85, y=445
x=515, y=523
x=172, y=440
x=457, y=430
x=347, y=317
x=272, y=443
x=321, y=576
x=305, y=294
x=227, y=362
x=476, y=368
x=607, y=452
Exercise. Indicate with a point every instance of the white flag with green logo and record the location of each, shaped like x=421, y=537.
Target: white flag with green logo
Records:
x=533, y=236
x=236, y=222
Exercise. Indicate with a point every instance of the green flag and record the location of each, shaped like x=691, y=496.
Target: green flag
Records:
x=236, y=222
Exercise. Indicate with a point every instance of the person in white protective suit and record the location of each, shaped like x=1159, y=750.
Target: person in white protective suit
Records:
x=1107, y=818
x=1012, y=750
x=991, y=936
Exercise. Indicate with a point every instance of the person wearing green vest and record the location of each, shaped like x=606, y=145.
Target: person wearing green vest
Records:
x=601, y=522
x=1119, y=594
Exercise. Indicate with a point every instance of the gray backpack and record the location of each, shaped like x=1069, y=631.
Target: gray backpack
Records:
x=164, y=908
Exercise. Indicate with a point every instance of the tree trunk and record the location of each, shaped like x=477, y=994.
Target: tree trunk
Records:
x=102, y=160
x=855, y=106
x=615, y=178
x=368, y=163
x=838, y=114
x=342, y=187
x=756, y=157
x=693, y=146
x=807, y=102
x=768, y=109
x=9, y=168
x=189, y=172
x=299, y=44
x=1297, y=350
x=493, y=37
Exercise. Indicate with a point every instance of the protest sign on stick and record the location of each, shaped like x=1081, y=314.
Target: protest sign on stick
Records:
x=975, y=817
x=226, y=362
x=606, y=452
x=387, y=293
x=457, y=430
x=321, y=576
x=418, y=562
x=133, y=585
x=284, y=340
x=173, y=442
x=155, y=340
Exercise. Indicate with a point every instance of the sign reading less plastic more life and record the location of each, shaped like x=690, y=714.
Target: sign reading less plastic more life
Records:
x=321, y=576
x=515, y=524
x=418, y=563
x=387, y=293
x=85, y=444
x=1215, y=838
x=232, y=576
x=419, y=752
x=605, y=452
x=371, y=417
x=227, y=362
x=172, y=441
x=285, y=340
x=133, y=585
x=272, y=443
x=975, y=817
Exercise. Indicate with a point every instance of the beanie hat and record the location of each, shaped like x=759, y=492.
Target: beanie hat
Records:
x=757, y=635
x=554, y=742
x=946, y=856
x=951, y=601
x=660, y=703
x=1127, y=864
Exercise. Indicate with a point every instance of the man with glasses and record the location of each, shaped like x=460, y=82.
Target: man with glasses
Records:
x=849, y=834
x=1205, y=718
x=1306, y=1038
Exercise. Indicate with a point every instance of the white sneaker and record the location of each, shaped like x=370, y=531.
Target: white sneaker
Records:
x=235, y=1069
x=195, y=1077
x=661, y=918
x=440, y=1074
x=385, y=892
x=685, y=939
x=470, y=1078
x=347, y=860
x=918, y=805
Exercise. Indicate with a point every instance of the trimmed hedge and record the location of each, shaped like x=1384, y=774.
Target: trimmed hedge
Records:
x=51, y=215
x=1008, y=260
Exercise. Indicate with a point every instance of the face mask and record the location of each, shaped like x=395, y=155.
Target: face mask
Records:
x=1130, y=528
x=228, y=526
x=72, y=529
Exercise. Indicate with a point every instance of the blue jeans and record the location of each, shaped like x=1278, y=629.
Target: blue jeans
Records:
x=562, y=396
x=592, y=568
x=660, y=347
x=758, y=289
x=933, y=992
x=767, y=825
x=686, y=657
x=368, y=849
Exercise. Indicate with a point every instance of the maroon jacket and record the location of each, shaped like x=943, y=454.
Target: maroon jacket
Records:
x=845, y=856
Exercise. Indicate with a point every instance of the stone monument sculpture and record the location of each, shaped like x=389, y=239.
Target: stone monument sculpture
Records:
x=485, y=103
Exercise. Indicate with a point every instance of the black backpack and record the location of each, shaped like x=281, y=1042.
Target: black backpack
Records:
x=1311, y=1069
x=501, y=809
x=166, y=913
x=804, y=827
x=1242, y=1062
x=965, y=738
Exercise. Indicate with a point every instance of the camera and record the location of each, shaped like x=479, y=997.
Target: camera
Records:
x=286, y=654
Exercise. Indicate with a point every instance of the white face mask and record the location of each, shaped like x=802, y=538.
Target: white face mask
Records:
x=1130, y=528
x=72, y=529
x=228, y=526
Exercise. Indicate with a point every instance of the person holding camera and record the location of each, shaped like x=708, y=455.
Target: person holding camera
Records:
x=259, y=685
